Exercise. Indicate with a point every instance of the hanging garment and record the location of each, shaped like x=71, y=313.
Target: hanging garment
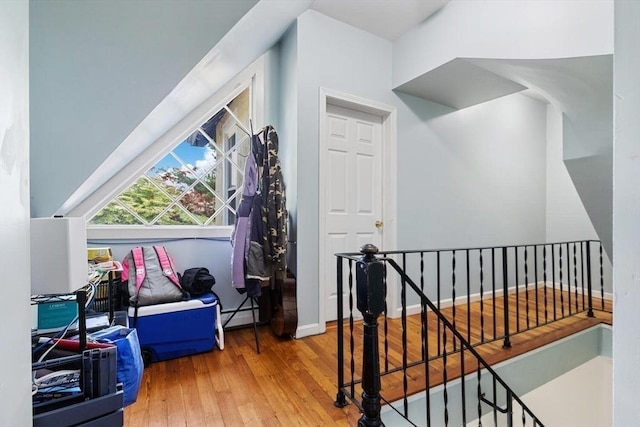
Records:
x=249, y=271
x=274, y=212
x=259, y=237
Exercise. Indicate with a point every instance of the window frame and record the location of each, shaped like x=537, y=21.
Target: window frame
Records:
x=254, y=77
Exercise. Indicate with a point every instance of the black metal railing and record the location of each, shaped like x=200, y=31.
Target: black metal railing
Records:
x=513, y=289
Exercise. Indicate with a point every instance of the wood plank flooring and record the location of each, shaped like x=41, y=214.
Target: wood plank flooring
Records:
x=292, y=382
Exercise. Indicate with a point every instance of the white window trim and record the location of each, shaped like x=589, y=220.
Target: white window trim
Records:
x=253, y=75
x=136, y=232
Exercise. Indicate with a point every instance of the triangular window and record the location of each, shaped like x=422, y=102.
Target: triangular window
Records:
x=197, y=183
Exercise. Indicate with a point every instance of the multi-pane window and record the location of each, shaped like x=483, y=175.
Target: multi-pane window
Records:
x=199, y=182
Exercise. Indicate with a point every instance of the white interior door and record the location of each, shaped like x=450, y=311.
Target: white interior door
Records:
x=352, y=186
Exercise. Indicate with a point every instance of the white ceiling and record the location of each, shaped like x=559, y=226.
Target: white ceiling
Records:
x=388, y=19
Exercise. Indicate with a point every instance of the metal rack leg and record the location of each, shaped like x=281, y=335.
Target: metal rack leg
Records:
x=253, y=315
x=255, y=327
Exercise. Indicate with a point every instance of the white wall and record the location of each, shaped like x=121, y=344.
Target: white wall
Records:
x=580, y=397
x=525, y=29
x=15, y=320
x=540, y=45
x=626, y=215
x=566, y=216
x=98, y=69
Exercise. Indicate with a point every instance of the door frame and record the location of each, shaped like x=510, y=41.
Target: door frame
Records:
x=388, y=115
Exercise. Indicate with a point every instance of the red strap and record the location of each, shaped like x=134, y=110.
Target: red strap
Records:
x=167, y=265
x=138, y=263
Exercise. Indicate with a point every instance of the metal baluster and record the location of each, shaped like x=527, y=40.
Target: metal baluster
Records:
x=453, y=293
x=479, y=397
x=575, y=275
x=495, y=401
x=560, y=272
x=423, y=311
x=526, y=284
x=517, y=273
x=468, y=299
x=481, y=299
x=582, y=271
x=509, y=408
x=505, y=290
x=427, y=374
x=553, y=278
x=568, y=278
x=601, y=279
x=589, y=282
x=462, y=385
x=445, y=394
x=403, y=299
x=341, y=400
x=386, y=322
x=438, y=292
x=535, y=282
x=544, y=279
x=493, y=280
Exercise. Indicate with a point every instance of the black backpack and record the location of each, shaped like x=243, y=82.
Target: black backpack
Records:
x=197, y=281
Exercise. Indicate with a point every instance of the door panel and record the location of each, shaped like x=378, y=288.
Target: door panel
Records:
x=353, y=191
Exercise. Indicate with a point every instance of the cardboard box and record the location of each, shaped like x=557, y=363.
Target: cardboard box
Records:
x=98, y=255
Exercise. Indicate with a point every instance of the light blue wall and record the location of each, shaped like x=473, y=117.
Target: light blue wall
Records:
x=469, y=178
x=98, y=68
x=465, y=178
x=287, y=132
x=336, y=56
x=214, y=254
x=474, y=177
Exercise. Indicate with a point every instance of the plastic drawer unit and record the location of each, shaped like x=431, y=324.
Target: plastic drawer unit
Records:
x=98, y=400
x=177, y=329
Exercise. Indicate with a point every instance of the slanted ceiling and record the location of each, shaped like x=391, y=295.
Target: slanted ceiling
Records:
x=97, y=69
x=460, y=84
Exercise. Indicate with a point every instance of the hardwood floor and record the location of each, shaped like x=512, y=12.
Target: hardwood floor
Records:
x=292, y=382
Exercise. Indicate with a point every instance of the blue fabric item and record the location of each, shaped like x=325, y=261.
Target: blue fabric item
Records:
x=130, y=365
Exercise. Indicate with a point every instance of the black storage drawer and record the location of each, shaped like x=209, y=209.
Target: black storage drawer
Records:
x=102, y=411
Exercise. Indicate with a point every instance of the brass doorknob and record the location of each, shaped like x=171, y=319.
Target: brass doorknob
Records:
x=378, y=224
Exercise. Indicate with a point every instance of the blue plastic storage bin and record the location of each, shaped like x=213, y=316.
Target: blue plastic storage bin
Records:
x=177, y=329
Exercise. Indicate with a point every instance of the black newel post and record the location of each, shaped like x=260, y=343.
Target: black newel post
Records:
x=370, y=290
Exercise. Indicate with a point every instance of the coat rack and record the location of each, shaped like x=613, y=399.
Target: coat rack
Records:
x=254, y=303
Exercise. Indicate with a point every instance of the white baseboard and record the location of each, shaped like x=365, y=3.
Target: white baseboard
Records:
x=446, y=303
x=242, y=318
x=310, y=329
x=595, y=292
